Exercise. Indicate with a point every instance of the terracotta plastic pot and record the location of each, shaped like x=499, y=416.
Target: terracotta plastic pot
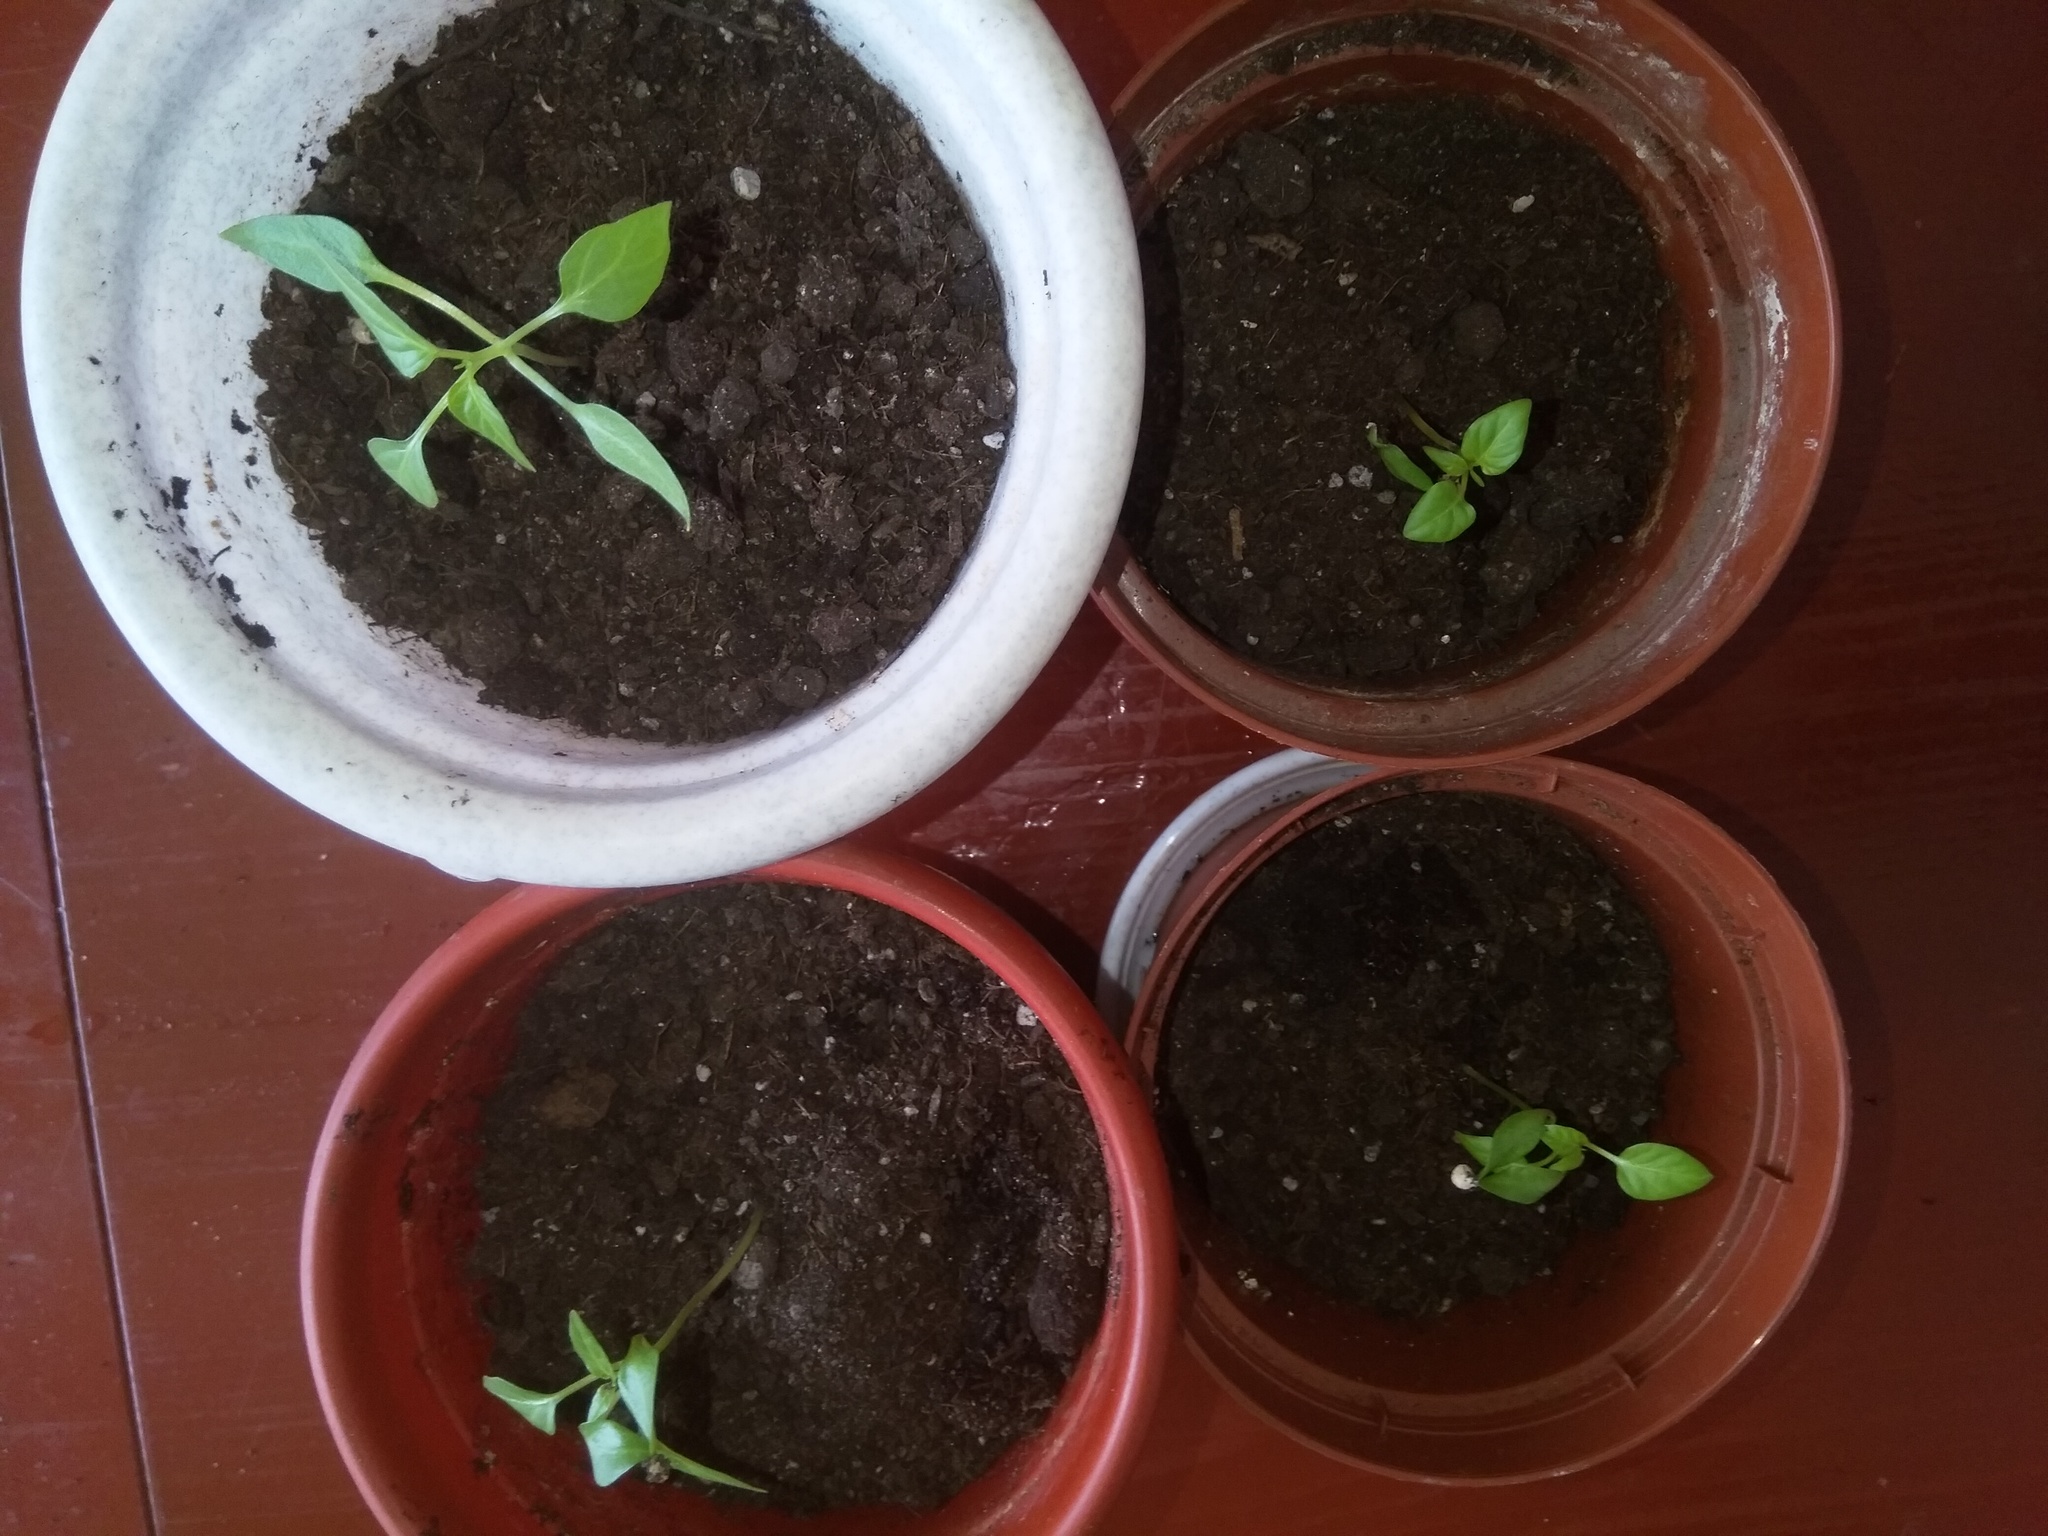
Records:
x=1757, y=364
x=397, y=1350
x=1636, y=1326
x=186, y=116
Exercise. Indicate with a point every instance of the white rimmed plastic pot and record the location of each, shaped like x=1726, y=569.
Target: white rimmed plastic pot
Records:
x=1638, y=1325
x=184, y=116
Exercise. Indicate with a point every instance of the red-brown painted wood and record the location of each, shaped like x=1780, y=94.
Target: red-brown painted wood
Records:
x=223, y=979
x=68, y=1455
x=1875, y=734
x=69, y=1461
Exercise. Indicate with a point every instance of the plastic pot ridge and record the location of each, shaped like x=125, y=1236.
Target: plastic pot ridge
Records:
x=398, y=1353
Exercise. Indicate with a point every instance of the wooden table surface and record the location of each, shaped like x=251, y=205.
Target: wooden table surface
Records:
x=187, y=960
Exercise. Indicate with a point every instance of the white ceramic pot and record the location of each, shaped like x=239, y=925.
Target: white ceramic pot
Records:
x=185, y=116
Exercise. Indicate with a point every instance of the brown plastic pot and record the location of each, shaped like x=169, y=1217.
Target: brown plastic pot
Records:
x=1636, y=1326
x=1757, y=360
x=397, y=1350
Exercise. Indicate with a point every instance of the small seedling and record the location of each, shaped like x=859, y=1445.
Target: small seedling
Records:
x=609, y=274
x=616, y=1449
x=1649, y=1170
x=1491, y=446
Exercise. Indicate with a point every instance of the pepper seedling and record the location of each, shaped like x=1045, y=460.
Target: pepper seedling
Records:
x=608, y=274
x=1491, y=446
x=615, y=1448
x=1649, y=1170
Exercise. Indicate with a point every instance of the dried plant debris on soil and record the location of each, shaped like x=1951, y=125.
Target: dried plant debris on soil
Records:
x=824, y=367
x=932, y=1256
x=1313, y=1065
x=1305, y=282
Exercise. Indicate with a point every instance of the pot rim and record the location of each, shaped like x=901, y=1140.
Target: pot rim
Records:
x=1674, y=1357
x=1280, y=779
x=1082, y=1454
x=1635, y=628
x=181, y=117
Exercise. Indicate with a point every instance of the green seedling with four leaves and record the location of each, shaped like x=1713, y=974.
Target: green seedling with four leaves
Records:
x=1491, y=446
x=616, y=1449
x=609, y=274
x=1649, y=1170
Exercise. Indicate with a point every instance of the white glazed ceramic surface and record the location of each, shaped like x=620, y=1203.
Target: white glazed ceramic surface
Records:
x=185, y=116
x=1133, y=936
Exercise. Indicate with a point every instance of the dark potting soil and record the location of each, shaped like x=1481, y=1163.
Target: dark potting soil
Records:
x=1312, y=1072
x=824, y=366
x=1305, y=282
x=935, y=1222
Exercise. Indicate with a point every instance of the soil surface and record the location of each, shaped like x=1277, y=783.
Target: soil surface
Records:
x=824, y=366
x=1306, y=281
x=932, y=1256
x=1312, y=1073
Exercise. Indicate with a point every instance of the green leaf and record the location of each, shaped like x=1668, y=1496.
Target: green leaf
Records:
x=409, y=351
x=1494, y=442
x=326, y=254
x=636, y=1383
x=613, y=270
x=1450, y=463
x=406, y=462
x=1441, y=515
x=617, y=441
x=589, y=1351
x=1649, y=1170
x=623, y=446
x=1517, y=1136
x=1480, y=1147
x=537, y=1408
x=468, y=404
x=1402, y=467
x=1568, y=1145
x=1523, y=1183
x=614, y=1450
x=698, y=1470
x=1562, y=1138
x=314, y=249
x=602, y=1402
